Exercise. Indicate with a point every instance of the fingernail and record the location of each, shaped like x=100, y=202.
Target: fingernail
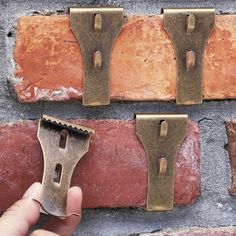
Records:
x=32, y=190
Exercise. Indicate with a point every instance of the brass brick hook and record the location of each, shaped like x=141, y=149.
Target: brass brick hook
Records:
x=63, y=145
x=96, y=30
x=161, y=136
x=189, y=30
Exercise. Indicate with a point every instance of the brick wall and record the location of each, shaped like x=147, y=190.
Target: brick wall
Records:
x=41, y=73
x=139, y=45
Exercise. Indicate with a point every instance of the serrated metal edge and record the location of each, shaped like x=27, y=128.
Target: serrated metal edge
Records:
x=66, y=124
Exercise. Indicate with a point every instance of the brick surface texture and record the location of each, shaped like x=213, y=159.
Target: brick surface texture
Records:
x=112, y=174
x=196, y=231
x=48, y=63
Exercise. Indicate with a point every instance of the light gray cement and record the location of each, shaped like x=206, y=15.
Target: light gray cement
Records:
x=214, y=208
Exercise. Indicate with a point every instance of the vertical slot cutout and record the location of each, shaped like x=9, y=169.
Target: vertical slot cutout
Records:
x=63, y=138
x=163, y=129
x=57, y=174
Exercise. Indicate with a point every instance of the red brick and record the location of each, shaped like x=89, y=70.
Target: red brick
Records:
x=231, y=132
x=196, y=231
x=49, y=64
x=112, y=174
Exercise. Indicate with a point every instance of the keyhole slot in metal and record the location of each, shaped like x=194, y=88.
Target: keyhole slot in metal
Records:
x=57, y=173
x=63, y=139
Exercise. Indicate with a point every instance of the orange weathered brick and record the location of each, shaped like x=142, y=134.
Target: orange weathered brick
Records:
x=112, y=174
x=49, y=64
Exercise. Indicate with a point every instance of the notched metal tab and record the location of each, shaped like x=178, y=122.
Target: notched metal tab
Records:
x=63, y=145
x=161, y=135
x=96, y=29
x=189, y=30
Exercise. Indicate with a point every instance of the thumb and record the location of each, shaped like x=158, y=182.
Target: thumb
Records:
x=18, y=219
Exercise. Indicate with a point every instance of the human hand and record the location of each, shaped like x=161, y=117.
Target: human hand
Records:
x=25, y=213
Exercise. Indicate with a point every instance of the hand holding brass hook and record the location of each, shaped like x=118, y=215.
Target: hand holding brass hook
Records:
x=63, y=145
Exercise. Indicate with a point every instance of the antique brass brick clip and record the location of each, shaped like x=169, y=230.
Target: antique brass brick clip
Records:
x=189, y=30
x=63, y=145
x=161, y=136
x=96, y=30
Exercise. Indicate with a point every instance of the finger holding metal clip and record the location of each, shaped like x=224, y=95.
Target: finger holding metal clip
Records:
x=63, y=145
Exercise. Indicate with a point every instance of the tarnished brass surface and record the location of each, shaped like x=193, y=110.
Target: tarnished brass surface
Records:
x=189, y=30
x=161, y=154
x=63, y=145
x=96, y=30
